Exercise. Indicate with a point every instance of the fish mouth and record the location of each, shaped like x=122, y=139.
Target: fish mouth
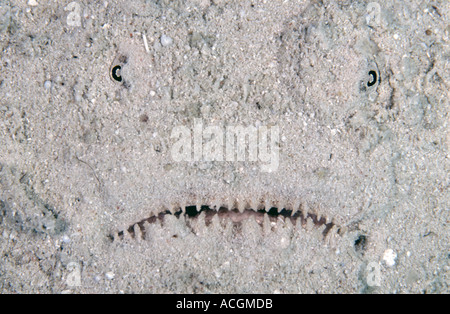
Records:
x=266, y=218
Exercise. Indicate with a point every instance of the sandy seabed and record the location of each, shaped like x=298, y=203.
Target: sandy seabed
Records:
x=93, y=198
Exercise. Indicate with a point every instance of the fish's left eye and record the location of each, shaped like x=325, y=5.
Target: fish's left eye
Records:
x=373, y=78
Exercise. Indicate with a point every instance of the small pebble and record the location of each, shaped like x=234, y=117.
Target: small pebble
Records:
x=166, y=41
x=66, y=239
x=47, y=84
x=32, y=3
x=389, y=257
x=110, y=275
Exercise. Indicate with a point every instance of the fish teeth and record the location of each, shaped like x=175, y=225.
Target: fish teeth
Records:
x=267, y=204
x=202, y=222
x=231, y=204
x=198, y=204
x=305, y=209
x=295, y=205
x=272, y=204
x=165, y=209
x=127, y=236
x=183, y=206
x=146, y=226
x=318, y=232
x=319, y=217
x=316, y=211
x=309, y=224
x=282, y=204
x=153, y=213
x=289, y=224
x=241, y=206
x=260, y=205
x=332, y=236
x=173, y=209
x=138, y=234
x=215, y=221
x=321, y=228
x=224, y=204
x=254, y=204
x=332, y=232
x=216, y=204
x=259, y=218
x=267, y=224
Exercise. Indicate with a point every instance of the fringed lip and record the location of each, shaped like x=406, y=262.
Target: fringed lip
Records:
x=206, y=214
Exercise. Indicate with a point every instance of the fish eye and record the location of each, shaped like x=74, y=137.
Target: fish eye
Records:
x=373, y=78
x=115, y=73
